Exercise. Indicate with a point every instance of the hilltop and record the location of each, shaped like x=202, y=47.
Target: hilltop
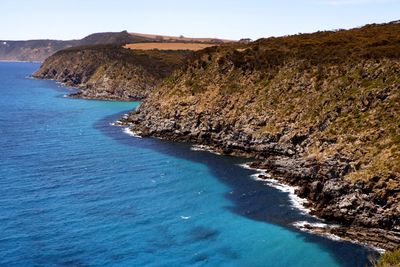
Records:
x=182, y=39
x=39, y=50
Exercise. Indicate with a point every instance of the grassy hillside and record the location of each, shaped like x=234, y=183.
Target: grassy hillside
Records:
x=110, y=72
x=319, y=110
x=389, y=259
x=168, y=46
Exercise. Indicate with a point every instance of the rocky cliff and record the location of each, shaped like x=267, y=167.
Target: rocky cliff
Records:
x=110, y=72
x=320, y=111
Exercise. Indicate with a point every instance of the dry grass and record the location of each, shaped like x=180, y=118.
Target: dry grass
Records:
x=390, y=259
x=168, y=46
x=181, y=38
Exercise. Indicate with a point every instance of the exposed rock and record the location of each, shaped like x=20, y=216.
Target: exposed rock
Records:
x=318, y=111
x=110, y=72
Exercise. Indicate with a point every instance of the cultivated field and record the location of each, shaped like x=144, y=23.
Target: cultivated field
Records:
x=182, y=39
x=168, y=46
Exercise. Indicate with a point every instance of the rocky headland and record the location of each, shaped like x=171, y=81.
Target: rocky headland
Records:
x=318, y=111
x=110, y=72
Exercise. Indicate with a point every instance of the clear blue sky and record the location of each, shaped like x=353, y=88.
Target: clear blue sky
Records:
x=232, y=19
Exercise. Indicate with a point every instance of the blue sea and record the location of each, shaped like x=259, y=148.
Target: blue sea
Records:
x=76, y=191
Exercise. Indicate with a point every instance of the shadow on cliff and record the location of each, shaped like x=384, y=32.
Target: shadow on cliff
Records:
x=250, y=198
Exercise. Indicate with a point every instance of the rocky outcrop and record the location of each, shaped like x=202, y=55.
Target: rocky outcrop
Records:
x=319, y=111
x=353, y=205
x=110, y=72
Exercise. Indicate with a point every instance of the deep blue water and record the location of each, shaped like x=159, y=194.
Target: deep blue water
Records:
x=75, y=191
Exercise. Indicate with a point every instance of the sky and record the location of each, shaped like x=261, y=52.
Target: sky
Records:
x=229, y=19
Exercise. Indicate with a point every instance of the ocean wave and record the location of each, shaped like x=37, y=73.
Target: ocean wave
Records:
x=128, y=131
x=247, y=166
x=296, y=201
x=117, y=123
x=305, y=224
x=204, y=148
x=319, y=228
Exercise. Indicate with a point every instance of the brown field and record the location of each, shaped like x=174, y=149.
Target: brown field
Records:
x=168, y=46
x=182, y=39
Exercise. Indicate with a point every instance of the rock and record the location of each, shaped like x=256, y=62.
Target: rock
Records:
x=311, y=121
x=109, y=72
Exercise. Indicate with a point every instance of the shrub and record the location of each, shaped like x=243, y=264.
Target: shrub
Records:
x=389, y=259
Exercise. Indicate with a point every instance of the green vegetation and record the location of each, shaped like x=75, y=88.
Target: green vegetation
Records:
x=389, y=259
x=375, y=41
x=110, y=71
x=158, y=63
x=334, y=85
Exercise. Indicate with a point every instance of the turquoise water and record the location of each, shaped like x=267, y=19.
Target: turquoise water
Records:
x=75, y=191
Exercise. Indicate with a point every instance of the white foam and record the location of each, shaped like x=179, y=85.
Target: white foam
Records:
x=247, y=166
x=204, y=148
x=185, y=217
x=296, y=201
x=299, y=203
x=303, y=224
x=117, y=123
x=256, y=177
x=128, y=131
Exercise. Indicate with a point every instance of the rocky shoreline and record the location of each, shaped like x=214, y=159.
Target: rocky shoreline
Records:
x=110, y=72
x=362, y=214
x=328, y=196
x=341, y=213
x=319, y=112
x=324, y=122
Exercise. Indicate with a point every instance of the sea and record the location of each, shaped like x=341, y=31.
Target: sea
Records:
x=77, y=191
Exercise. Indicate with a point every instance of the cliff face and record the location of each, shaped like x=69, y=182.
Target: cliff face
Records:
x=110, y=72
x=320, y=111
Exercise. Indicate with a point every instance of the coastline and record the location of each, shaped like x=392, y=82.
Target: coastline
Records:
x=313, y=181
x=236, y=188
x=80, y=89
x=360, y=235
x=324, y=228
